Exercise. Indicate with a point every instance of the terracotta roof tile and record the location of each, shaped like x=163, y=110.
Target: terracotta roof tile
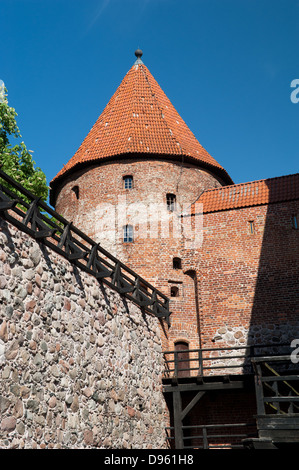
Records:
x=283, y=188
x=139, y=118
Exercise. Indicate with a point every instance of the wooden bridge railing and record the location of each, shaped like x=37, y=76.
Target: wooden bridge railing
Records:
x=33, y=216
x=217, y=361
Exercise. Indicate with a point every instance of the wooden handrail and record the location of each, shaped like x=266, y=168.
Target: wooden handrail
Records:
x=34, y=217
x=198, y=363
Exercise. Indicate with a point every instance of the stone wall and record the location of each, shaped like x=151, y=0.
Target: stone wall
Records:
x=79, y=366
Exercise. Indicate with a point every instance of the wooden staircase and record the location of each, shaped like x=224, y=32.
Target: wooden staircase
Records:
x=277, y=397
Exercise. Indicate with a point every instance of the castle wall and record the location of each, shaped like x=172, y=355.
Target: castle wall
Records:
x=80, y=367
x=103, y=197
x=158, y=235
x=234, y=287
x=248, y=282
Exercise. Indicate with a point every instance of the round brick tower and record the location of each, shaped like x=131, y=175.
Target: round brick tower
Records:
x=139, y=168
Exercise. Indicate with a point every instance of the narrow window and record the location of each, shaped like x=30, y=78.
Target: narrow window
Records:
x=177, y=263
x=294, y=222
x=128, y=234
x=75, y=192
x=174, y=291
x=128, y=182
x=170, y=201
x=251, y=227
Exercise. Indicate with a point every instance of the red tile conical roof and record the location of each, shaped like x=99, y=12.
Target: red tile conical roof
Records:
x=140, y=119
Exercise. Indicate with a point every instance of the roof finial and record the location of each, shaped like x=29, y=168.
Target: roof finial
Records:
x=138, y=54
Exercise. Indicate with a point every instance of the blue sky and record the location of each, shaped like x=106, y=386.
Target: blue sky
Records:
x=226, y=65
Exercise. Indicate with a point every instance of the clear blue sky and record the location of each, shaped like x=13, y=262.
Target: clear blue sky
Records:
x=226, y=65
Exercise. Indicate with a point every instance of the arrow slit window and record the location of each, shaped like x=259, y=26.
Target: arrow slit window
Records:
x=251, y=227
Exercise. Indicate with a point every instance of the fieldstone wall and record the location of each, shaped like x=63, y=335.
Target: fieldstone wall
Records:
x=258, y=334
x=79, y=366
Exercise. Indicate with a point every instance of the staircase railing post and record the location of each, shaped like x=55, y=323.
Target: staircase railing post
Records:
x=200, y=362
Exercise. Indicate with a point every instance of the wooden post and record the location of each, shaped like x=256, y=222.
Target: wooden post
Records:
x=259, y=391
x=177, y=418
x=205, y=438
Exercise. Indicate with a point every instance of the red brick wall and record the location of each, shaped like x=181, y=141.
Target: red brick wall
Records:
x=220, y=408
x=153, y=179
x=151, y=256
x=248, y=283
x=236, y=288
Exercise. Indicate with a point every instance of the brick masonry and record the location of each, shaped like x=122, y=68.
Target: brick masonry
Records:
x=151, y=255
x=236, y=283
x=249, y=281
x=235, y=288
x=79, y=366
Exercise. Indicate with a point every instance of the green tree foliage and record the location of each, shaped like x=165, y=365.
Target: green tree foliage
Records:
x=16, y=160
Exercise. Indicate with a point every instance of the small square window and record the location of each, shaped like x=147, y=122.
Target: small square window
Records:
x=174, y=291
x=177, y=263
x=128, y=182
